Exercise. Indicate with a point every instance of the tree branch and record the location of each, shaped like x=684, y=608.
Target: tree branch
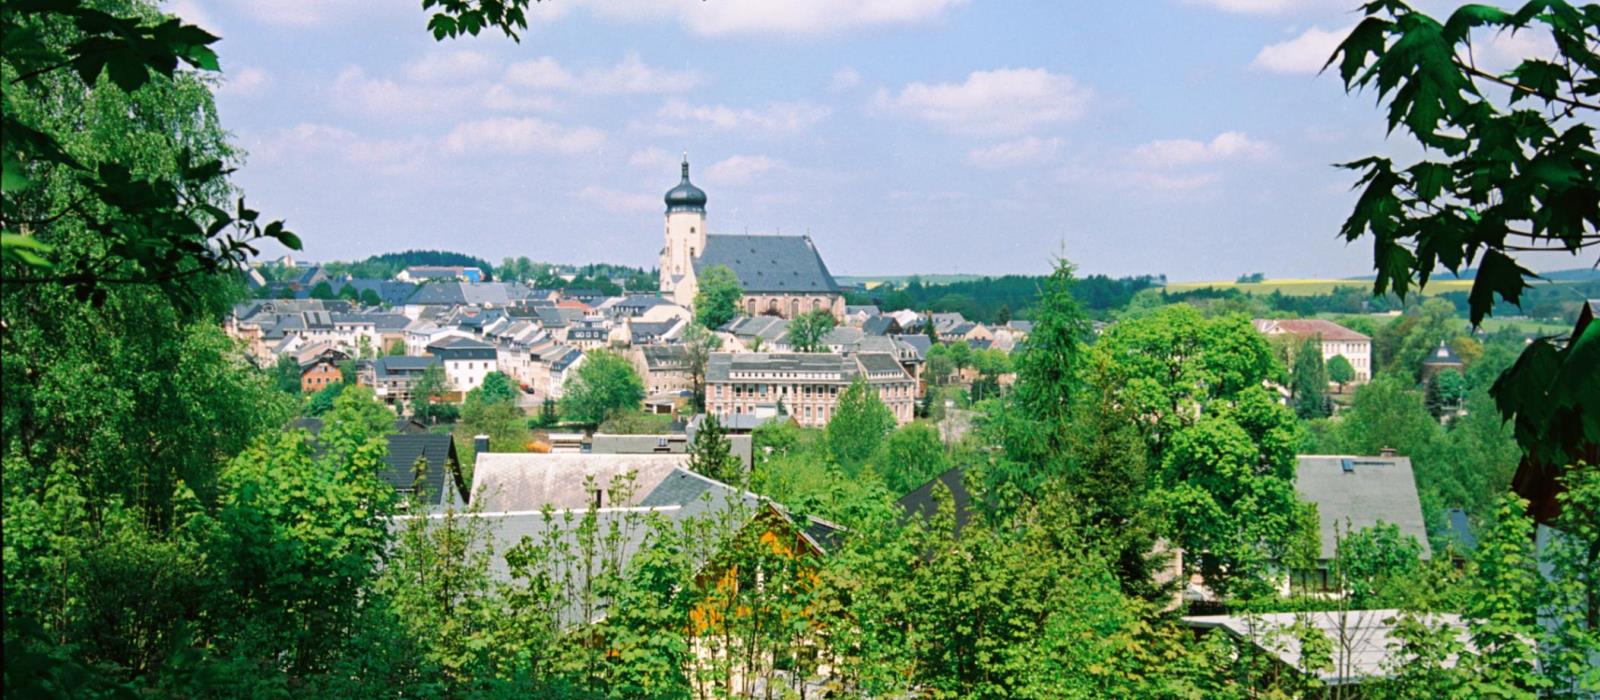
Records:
x=1571, y=101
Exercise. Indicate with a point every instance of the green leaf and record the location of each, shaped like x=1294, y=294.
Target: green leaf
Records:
x=1498, y=275
x=11, y=177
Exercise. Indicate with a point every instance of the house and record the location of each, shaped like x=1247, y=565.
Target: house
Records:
x=805, y=386
x=1362, y=643
x=663, y=368
x=781, y=275
x=466, y=361
x=752, y=333
x=563, y=364
x=432, y=273
x=319, y=366
x=1335, y=339
x=923, y=501
x=1440, y=360
x=857, y=315
x=425, y=461
x=394, y=376
x=1352, y=493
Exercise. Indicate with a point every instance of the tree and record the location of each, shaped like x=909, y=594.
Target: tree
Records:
x=717, y=300
x=909, y=457
x=349, y=293
x=322, y=400
x=497, y=387
x=940, y=366
x=698, y=344
x=604, y=384
x=807, y=330
x=286, y=374
x=1511, y=167
x=1376, y=564
x=322, y=290
x=502, y=421
x=1445, y=392
x=369, y=297
x=1003, y=316
x=426, y=392
x=1340, y=371
x=161, y=225
x=1309, y=380
x=397, y=348
x=711, y=456
x=859, y=423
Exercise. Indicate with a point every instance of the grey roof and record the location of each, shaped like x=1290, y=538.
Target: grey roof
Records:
x=920, y=343
x=721, y=364
x=868, y=309
x=921, y=502
x=441, y=478
x=1353, y=493
x=468, y=293
x=879, y=325
x=848, y=336
x=1442, y=355
x=459, y=348
x=874, y=362
x=736, y=423
x=768, y=328
x=1362, y=641
x=530, y=481
x=1018, y=325
x=1462, y=538
x=668, y=357
x=401, y=365
x=769, y=263
x=389, y=292
x=566, y=359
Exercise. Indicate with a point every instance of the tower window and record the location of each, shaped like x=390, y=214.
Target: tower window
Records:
x=691, y=229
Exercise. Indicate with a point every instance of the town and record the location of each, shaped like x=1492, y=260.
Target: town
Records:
x=698, y=456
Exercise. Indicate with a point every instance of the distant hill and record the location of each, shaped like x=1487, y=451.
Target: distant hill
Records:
x=387, y=265
x=1576, y=274
x=870, y=281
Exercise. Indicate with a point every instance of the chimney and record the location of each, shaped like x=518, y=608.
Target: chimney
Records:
x=1386, y=451
x=480, y=444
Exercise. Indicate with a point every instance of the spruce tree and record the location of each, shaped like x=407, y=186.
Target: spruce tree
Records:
x=711, y=455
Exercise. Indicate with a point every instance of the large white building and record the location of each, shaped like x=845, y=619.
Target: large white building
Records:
x=1335, y=340
x=780, y=275
x=806, y=386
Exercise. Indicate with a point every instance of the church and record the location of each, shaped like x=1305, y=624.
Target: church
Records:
x=781, y=275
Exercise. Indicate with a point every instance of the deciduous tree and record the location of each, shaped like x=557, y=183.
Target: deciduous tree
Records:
x=716, y=301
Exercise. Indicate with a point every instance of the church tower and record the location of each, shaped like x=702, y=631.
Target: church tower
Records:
x=686, y=230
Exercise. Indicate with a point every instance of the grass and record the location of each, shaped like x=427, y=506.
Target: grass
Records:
x=1308, y=287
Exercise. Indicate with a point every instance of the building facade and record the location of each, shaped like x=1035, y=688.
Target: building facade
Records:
x=780, y=275
x=466, y=361
x=1335, y=339
x=805, y=386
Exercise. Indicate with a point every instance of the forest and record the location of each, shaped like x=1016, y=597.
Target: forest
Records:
x=169, y=534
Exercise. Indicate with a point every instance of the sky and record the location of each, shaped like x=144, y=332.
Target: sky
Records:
x=1192, y=138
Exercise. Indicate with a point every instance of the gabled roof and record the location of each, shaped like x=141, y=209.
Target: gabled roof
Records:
x=1308, y=327
x=441, y=476
x=879, y=325
x=921, y=502
x=769, y=263
x=468, y=293
x=1352, y=493
x=1362, y=642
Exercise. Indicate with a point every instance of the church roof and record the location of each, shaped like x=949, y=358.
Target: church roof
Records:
x=769, y=264
x=686, y=197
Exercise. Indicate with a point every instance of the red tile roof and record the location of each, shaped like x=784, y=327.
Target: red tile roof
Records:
x=1305, y=328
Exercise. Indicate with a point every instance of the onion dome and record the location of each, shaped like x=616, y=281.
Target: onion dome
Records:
x=686, y=197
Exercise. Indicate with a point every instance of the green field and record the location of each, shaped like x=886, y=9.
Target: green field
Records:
x=1307, y=287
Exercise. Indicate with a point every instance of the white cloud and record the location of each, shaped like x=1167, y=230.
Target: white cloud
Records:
x=502, y=98
x=1306, y=53
x=311, y=13
x=192, y=12
x=738, y=170
x=629, y=76
x=1498, y=52
x=774, y=117
x=245, y=82
x=811, y=17
x=459, y=64
x=844, y=79
x=1271, y=7
x=655, y=159
x=1012, y=153
x=1004, y=101
x=1228, y=145
x=510, y=135
x=353, y=91
x=316, y=143
x=618, y=201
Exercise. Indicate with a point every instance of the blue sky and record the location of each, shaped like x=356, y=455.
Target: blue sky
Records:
x=1185, y=137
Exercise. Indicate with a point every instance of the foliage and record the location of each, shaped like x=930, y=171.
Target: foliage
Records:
x=322, y=400
x=497, y=387
x=1500, y=616
x=717, y=299
x=286, y=374
x=1376, y=564
x=1569, y=597
x=710, y=455
x=502, y=421
x=698, y=344
x=859, y=424
x=1519, y=172
x=427, y=391
x=155, y=220
x=1340, y=371
x=1308, y=381
x=387, y=265
x=604, y=385
x=636, y=423
x=909, y=457
x=807, y=330
x=1018, y=295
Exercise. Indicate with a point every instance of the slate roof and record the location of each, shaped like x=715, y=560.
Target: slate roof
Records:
x=870, y=310
x=767, y=264
x=1443, y=356
x=920, y=502
x=1354, y=493
x=401, y=365
x=468, y=293
x=528, y=482
x=1361, y=641
x=1462, y=538
x=390, y=292
x=879, y=325
x=442, y=478
x=874, y=362
x=920, y=343
x=459, y=348
x=665, y=357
